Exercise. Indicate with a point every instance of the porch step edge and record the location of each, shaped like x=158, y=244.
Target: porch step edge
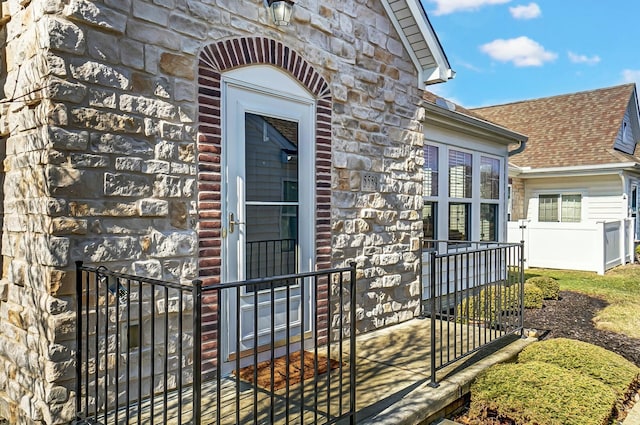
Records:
x=423, y=404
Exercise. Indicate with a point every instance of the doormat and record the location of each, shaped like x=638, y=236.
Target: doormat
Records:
x=280, y=370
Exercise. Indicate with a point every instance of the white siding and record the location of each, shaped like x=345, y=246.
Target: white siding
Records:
x=601, y=195
x=627, y=134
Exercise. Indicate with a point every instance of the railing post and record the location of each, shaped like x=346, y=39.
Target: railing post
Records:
x=352, y=345
x=432, y=278
x=78, y=337
x=522, y=289
x=197, y=351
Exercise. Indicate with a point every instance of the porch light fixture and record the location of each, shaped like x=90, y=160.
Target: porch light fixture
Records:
x=280, y=11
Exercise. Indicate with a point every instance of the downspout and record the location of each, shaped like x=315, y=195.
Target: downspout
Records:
x=519, y=149
x=625, y=196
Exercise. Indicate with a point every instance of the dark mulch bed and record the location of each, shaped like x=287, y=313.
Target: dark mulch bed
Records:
x=571, y=317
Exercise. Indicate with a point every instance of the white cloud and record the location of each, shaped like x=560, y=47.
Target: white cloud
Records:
x=531, y=11
x=522, y=51
x=631, y=76
x=450, y=6
x=576, y=58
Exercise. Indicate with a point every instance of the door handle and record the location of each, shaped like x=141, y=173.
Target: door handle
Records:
x=233, y=223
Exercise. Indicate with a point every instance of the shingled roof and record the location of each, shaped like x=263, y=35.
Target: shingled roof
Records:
x=567, y=130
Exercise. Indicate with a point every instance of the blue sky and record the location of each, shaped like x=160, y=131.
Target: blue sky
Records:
x=508, y=50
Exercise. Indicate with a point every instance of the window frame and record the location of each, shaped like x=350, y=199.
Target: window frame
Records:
x=559, y=197
x=475, y=200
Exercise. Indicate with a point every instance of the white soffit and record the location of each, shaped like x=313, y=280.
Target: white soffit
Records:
x=420, y=40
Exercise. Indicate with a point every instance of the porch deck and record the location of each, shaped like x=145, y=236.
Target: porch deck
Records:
x=392, y=382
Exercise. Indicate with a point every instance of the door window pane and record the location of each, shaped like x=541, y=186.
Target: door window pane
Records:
x=459, y=221
x=488, y=222
x=460, y=172
x=430, y=171
x=271, y=240
x=271, y=157
x=489, y=178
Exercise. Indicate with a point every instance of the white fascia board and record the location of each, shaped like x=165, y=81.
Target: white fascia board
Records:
x=442, y=72
x=439, y=116
x=580, y=170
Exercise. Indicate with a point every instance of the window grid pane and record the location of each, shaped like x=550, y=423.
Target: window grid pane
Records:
x=489, y=178
x=489, y=222
x=571, y=208
x=430, y=220
x=459, y=221
x=460, y=172
x=548, y=208
x=430, y=170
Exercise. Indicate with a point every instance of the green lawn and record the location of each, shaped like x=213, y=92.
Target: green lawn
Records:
x=620, y=287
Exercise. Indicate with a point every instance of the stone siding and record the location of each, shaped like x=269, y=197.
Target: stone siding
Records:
x=517, y=199
x=99, y=120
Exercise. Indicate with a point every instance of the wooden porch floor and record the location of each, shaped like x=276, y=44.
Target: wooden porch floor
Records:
x=391, y=364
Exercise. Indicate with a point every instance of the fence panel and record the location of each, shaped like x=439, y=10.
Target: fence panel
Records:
x=475, y=298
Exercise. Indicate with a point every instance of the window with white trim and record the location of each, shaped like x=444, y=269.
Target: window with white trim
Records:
x=467, y=206
x=566, y=208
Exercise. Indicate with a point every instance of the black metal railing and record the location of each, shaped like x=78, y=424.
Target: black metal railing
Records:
x=475, y=297
x=304, y=323
x=274, y=257
x=285, y=352
x=138, y=343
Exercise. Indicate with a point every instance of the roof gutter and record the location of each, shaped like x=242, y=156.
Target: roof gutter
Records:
x=577, y=170
x=443, y=116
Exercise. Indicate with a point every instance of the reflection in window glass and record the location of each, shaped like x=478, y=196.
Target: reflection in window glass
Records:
x=488, y=222
x=489, y=178
x=571, y=208
x=430, y=220
x=430, y=171
x=459, y=221
x=460, y=172
x=548, y=208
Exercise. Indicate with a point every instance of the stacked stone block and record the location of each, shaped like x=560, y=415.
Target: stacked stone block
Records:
x=100, y=128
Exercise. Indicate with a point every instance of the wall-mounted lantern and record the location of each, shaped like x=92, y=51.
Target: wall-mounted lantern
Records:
x=280, y=11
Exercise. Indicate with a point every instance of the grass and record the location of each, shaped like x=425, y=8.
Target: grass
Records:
x=554, y=382
x=619, y=287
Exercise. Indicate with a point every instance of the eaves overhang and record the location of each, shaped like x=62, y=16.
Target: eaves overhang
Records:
x=578, y=170
x=420, y=40
x=452, y=120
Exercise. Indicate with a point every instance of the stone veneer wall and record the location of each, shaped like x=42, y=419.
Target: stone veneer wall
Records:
x=517, y=199
x=99, y=121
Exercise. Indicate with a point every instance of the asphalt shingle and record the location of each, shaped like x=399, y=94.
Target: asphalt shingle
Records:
x=567, y=130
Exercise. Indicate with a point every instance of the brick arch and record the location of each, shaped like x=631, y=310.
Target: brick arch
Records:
x=214, y=60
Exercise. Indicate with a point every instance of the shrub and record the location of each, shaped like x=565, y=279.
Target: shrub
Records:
x=607, y=367
x=549, y=286
x=532, y=296
x=540, y=393
x=485, y=306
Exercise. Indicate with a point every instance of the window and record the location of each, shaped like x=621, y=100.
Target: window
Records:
x=489, y=222
x=489, y=178
x=430, y=191
x=471, y=206
x=459, y=221
x=509, y=202
x=430, y=220
x=460, y=172
x=560, y=208
x=430, y=170
x=571, y=208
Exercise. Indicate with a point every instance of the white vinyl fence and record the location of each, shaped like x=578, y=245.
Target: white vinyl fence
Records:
x=596, y=246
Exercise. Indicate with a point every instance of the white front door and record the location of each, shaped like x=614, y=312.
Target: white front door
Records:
x=268, y=188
